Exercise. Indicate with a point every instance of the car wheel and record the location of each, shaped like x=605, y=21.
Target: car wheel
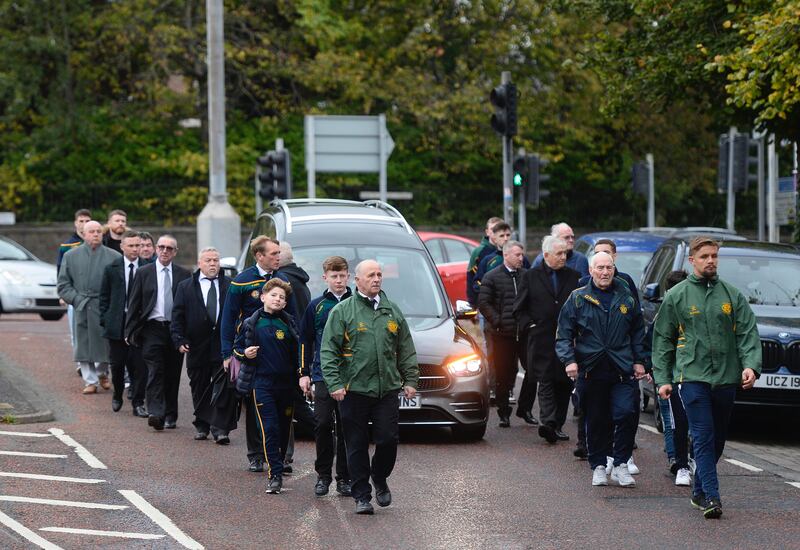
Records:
x=469, y=433
x=51, y=316
x=658, y=418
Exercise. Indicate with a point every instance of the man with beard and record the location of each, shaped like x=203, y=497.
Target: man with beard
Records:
x=117, y=225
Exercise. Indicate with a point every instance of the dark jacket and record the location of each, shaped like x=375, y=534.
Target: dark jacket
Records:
x=499, y=291
x=588, y=333
x=113, y=244
x=143, y=295
x=191, y=324
x=298, y=278
x=276, y=365
x=244, y=298
x=536, y=310
x=74, y=241
x=485, y=247
x=112, y=298
x=492, y=259
x=311, y=329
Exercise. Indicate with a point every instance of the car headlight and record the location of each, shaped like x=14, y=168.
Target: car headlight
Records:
x=13, y=277
x=465, y=366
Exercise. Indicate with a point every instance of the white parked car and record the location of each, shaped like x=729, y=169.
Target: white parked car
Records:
x=27, y=284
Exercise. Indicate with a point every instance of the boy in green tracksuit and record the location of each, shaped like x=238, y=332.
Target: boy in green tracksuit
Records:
x=705, y=339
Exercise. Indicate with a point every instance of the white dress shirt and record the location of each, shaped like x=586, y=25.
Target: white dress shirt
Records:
x=158, y=309
x=376, y=300
x=127, y=274
x=205, y=286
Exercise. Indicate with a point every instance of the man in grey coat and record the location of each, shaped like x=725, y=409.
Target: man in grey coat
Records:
x=79, y=284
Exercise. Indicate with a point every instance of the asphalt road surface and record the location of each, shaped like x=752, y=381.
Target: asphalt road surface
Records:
x=94, y=478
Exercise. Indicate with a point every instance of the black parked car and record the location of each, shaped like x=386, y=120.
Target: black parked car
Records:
x=453, y=386
x=769, y=276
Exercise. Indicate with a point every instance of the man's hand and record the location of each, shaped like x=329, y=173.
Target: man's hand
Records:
x=409, y=391
x=305, y=384
x=62, y=302
x=184, y=348
x=638, y=371
x=748, y=379
x=251, y=352
x=572, y=370
x=338, y=395
x=665, y=391
x=226, y=363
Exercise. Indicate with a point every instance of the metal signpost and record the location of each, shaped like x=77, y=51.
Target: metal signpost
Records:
x=357, y=144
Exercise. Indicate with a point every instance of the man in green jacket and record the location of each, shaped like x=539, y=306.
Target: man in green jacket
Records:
x=367, y=358
x=705, y=339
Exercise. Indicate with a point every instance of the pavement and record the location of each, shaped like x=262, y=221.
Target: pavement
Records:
x=19, y=401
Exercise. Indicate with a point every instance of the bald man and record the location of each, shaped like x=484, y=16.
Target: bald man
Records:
x=80, y=281
x=368, y=359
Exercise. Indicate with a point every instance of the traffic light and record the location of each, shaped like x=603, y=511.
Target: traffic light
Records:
x=520, y=170
x=535, y=179
x=504, y=119
x=640, y=178
x=275, y=176
x=742, y=161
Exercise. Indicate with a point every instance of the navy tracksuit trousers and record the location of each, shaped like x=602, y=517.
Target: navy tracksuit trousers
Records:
x=274, y=409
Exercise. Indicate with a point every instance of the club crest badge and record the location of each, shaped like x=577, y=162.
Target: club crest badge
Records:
x=255, y=294
x=623, y=309
x=726, y=308
x=280, y=335
x=392, y=326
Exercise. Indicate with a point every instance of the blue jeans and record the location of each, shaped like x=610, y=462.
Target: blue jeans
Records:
x=666, y=420
x=708, y=410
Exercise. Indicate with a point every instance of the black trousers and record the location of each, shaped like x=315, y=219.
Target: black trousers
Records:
x=554, y=399
x=164, y=365
x=508, y=352
x=328, y=435
x=356, y=412
x=253, y=435
x=201, y=369
x=124, y=356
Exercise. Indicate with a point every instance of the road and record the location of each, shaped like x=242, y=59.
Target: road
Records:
x=112, y=482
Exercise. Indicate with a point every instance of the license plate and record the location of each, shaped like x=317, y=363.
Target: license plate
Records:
x=779, y=381
x=409, y=402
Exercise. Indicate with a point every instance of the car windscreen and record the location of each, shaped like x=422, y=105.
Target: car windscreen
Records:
x=632, y=263
x=10, y=252
x=408, y=278
x=770, y=281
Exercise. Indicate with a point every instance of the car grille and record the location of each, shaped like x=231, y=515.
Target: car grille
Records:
x=775, y=355
x=432, y=378
x=47, y=302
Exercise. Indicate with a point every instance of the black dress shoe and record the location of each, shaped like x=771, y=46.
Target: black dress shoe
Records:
x=256, y=464
x=130, y=393
x=562, y=436
x=139, y=410
x=287, y=468
x=201, y=436
x=116, y=405
x=548, y=433
x=343, y=488
x=383, y=495
x=580, y=452
x=364, y=507
x=156, y=422
x=322, y=485
x=528, y=417
x=222, y=439
x=505, y=421
x=170, y=424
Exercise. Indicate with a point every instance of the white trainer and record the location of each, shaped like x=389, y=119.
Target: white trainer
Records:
x=621, y=475
x=633, y=469
x=599, y=476
x=609, y=464
x=683, y=478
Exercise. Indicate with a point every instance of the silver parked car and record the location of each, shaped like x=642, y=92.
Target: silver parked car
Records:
x=27, y=284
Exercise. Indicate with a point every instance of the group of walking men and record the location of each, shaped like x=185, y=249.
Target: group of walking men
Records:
x=576, y=328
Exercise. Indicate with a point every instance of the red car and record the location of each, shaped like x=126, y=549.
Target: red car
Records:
x=451, y=255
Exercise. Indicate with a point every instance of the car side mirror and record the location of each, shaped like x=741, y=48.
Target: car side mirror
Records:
x=228, y=265
x=464, y=310
x=651, y=293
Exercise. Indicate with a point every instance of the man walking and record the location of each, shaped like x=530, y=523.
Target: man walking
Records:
x=79, y=284
x=368, y=357
x=117, y=283
x=76, y=239
x=575, y=260
x=706, y=339
x=499, y=292
x=195, y=331
x=485, y=247
x=600, y=339
x=150, y=311
x=543, y=290
x=116, y=226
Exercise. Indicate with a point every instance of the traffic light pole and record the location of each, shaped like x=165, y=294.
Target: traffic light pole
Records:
x=508, y=196
x=651, y=192
x=731, y=192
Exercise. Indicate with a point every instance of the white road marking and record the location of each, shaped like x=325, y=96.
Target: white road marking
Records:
x=744, y=465
x=161, y=520
x=82, y=452
x=39, y=455
x=25, y=434
x=51, y=478
x=794, y=483
x=649, y=429
x=27, y=533
x=119, y=534
x=71, y=503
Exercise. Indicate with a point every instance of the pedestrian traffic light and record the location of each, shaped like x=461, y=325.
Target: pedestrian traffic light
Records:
x=504, y=119
x=274, y=175
x=535, y=179
x=520, y=170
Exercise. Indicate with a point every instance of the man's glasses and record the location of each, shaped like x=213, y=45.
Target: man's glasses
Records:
x=164, y=247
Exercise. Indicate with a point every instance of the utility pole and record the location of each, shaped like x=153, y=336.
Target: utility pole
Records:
x=731, y=192
x=761, y=187
x=218, y=225
x=508, y=196
x=772, y=189
x=651, y=192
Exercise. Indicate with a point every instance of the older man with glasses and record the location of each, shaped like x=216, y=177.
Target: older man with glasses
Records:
x=575, y=260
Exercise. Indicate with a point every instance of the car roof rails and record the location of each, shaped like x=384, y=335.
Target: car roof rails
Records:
x=391, y=210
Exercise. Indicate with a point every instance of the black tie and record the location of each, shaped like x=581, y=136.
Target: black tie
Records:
x=211, y=303
x=130, y=281
x=554, y=277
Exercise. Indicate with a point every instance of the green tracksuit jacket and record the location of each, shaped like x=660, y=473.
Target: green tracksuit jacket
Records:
x=368, y=351
x=705, y=331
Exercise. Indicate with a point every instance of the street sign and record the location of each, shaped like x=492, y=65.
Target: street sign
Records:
x=786, y=201
x=355, y=144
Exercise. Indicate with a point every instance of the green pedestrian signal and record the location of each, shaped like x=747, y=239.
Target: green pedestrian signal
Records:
x=517, y=180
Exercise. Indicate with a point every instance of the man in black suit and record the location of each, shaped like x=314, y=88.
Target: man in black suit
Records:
x=149, y=313
x=195, y=331
x=543, y=290
x=117, y=282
